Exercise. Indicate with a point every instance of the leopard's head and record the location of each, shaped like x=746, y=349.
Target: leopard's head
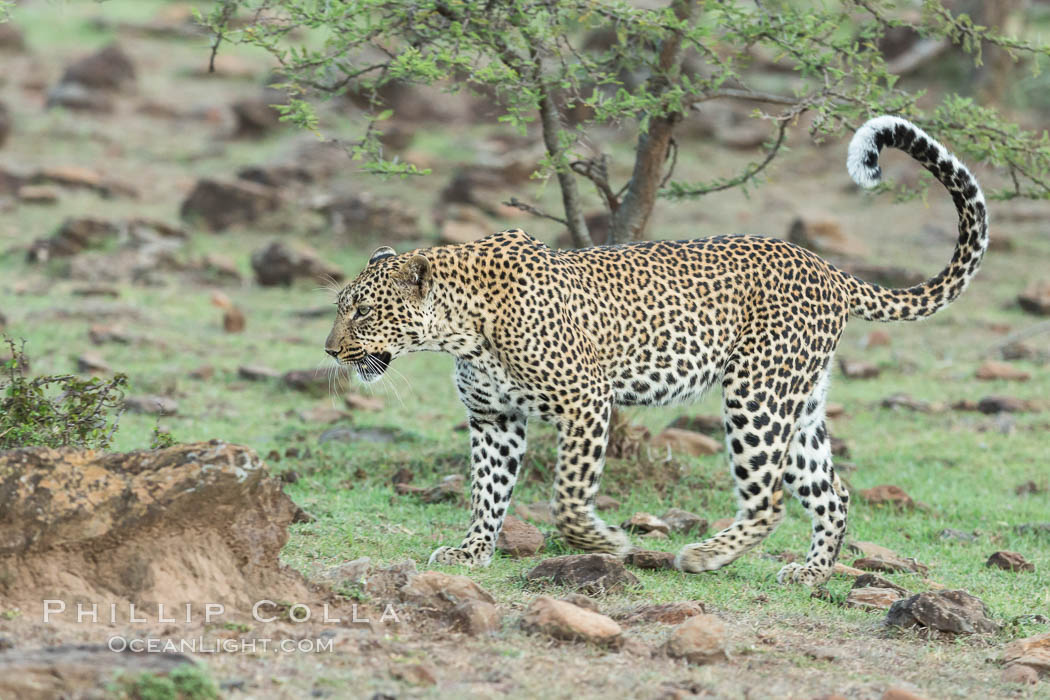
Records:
x=382, y=313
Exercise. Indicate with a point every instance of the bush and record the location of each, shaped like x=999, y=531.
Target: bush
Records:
x=56, y=410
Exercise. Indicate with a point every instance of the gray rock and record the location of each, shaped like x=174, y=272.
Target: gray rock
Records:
x=952, y=612
x=593, y=574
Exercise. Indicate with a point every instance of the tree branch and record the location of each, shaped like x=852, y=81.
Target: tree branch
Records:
x=518, y=204
x=748, y=174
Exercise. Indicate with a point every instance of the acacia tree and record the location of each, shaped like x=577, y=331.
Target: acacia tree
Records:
x=533, y=58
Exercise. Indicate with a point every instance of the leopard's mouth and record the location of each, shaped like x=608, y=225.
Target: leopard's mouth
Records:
x=373, y=366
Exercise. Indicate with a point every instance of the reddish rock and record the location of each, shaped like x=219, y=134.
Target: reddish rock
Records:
x=825, y=236
x=706, y=424
x=257, y=373
x=441, y=591
x=650, y=559
x=360, y=402
x=887, y=494
x=1011, y=561
x=701, y=639
x=686, y=441
x=604, y=502
x=895, y=693
x=667, y=613
x=1021, y=674
x=878, y=338
x=233, y=320
x=722, y=524
x=645, y=522
x=858, y=369
x=991, y=370
x=519, y=538
x=1035, y=299
x=1031, y=652
x=476, y=617
x=871, y=598
x=562, y=620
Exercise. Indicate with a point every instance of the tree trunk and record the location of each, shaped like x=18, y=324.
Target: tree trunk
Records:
x=550, y=120
x=629, y=221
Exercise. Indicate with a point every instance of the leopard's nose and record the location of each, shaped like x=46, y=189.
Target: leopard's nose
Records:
x=334, y=352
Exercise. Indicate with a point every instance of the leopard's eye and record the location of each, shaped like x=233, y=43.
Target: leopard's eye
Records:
x=362, y=311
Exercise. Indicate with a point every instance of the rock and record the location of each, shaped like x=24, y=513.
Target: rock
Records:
x=310, y=381
x=650, y=559
x=415, y=674
x=204, y=373
x=562, y=620
x=635, y=647
x=891, y=566
x=143, y=526
x=109, y=68
x=360, y=402
x=152, y=405
x=78, y=670
x=825, y=237
x=879, y=558
x=876, y=581
x=1035, y=299
x=701, y=639
x=278, y=264
x=1029, y=488
x=885, y=275
x=888, y=495
x=582, y=601
x=843, y=570
x=449, y=489
x=1031, y=652
x=72, y=237
x=257, y=373
x=233, y=320
x=538, y=512
x=906, y=401
x=76, y=97
x=687, y=441
x=11, y=38
x=101, y=334
x=1006, y=404
x=92, y=363
x=953, y=612
x=604, y=502
x=518, y=538
x=378, y=434
x=708, y=425
x=593, y=574
x=1032, y=529
x=839, y=447
x=363, y=216
x=1018, y=350
x=823, y=653
x=385, y=584
x=722, y=524
x=667, y=613
x=872, y=598
x=682, y=522
x=476, y=617
x=255, y=117
x=878, y=338
x=1011, y=561
x=644, y=522
x=991, y=370
x=32, y=194
x=277, y=176
x=454, y=231
x=858, y=369
x=441, y=591
x=220, y=205
x=834, y=410
x=1021, y=674
x=79, y=177
x=896, y=693
x=352, y=572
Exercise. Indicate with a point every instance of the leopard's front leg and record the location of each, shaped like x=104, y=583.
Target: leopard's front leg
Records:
x=497, y=444
x=582, y=439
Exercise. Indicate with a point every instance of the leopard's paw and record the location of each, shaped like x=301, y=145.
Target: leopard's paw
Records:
x=455, y=556
x=694, y=558
x=804, y=575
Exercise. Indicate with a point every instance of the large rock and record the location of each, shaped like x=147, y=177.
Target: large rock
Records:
x=278, y=264
x=1033, y=652
x=441, y=591
x=1035, y=299
x=701, y=639
x=563, y=620
x=519, y=538
x=952, y=612
x=683, y=522
x=194, y=522
x=666, y=613
x=109, y=68
x=476, y=617
x=593, y=574
x=1011, y=561
x=72, y=237
x=219, y=205
x=364, y=216
x=872, y=598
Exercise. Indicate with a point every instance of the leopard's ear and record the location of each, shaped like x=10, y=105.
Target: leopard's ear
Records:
x=380, y=253
x=416, y=273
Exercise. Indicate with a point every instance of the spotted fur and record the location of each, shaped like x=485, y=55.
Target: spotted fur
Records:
x=564, y=335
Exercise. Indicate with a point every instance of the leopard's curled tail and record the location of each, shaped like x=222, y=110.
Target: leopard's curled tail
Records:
x=875, y=303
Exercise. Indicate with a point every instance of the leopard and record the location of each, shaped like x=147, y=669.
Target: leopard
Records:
x=563, y=336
